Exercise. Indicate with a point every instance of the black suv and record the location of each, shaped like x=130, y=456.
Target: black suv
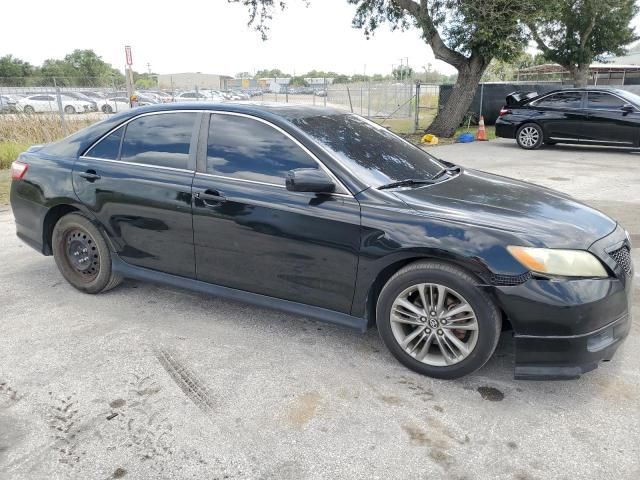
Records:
x=589, y=116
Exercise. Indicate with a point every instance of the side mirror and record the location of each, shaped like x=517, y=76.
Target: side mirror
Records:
x=627, y=108
x=309, y=180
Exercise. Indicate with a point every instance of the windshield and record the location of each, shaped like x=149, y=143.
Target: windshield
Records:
x=631, y=97
x=374, y=154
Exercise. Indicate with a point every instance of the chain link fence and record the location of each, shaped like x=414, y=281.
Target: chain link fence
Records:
x=37, y=110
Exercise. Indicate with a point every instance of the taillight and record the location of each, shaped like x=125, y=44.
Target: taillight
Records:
x=18, y=169
x=504, y=111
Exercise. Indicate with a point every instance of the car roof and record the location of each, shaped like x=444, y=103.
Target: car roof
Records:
x=286, y=111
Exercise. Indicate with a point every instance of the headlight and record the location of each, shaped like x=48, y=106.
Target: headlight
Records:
x=566, y=263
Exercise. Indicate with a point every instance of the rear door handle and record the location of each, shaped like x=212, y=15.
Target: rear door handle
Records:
x=211, y=197
x=90, y=176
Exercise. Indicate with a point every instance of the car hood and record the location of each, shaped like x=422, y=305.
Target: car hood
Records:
x=537, y=215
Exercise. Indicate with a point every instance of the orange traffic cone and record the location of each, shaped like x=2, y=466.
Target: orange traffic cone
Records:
x=482, y=134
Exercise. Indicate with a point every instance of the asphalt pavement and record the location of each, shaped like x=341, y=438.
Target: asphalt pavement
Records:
x=148, y=381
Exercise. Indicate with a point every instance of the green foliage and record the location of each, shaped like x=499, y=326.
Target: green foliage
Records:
x=402, y=72
x=501, y=71
x=80, y=68
x=13, y=70
x=273, y=73
x=488, y=29
x=574, y=33
x=341, y=79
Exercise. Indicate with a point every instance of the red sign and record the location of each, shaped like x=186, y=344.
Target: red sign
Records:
x=127, y=51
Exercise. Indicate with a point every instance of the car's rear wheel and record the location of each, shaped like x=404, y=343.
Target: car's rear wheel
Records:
x=107, y=109
x=69, y=109
x=435, y=321
x=82, y=254
x=28, y=109
x=529, y=136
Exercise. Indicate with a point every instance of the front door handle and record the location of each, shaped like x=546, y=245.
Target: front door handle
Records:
x=211, y=197
x=90, y=176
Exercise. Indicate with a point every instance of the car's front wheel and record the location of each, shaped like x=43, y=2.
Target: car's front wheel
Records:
x=529, y=136
x=69, y=109
x=82, y=255
x=435, y=321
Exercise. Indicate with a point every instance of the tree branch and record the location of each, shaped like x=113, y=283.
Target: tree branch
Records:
x=423, y=18
x=587, y=33
x=538, y=39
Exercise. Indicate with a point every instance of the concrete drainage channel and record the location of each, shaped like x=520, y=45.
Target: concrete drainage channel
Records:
x=152, y=382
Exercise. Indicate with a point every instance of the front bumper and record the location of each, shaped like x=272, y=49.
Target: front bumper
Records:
x=565, y=358
x=564, y=328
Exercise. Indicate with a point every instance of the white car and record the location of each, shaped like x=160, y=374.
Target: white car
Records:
x=47, y=102
x=117, y=104
x=198, y=97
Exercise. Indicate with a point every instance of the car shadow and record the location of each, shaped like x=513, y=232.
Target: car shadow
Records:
x=569, y=147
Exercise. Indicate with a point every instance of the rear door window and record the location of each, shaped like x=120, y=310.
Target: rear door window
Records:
x=603, y=101
x=109, y=147
x=561, y=100
x=161, y=140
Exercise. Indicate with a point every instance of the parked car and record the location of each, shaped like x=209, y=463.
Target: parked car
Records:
x=587, y=116
x=197, y=97
x=81, y=96
x=47, y=102
x=118, y=104
x=8, y=103
x=328, y=215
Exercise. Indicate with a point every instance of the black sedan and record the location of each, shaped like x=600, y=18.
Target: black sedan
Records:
x=328, y=215
x=589, y=116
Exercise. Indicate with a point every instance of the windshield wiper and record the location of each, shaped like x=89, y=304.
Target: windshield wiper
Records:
x=407, y=182
x=441, y=172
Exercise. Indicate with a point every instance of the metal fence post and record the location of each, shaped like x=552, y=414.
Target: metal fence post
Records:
x=481, y=99
x=360, y=99
x=417, y=118
x=369, y=100
x=326, y=92
x=60, y=109
x=349, y=95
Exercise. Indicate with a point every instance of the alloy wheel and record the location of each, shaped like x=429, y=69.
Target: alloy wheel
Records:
x=529, y=137
x=434, y=324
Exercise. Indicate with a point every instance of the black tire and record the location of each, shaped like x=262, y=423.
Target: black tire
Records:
x=69, y=109
x=28, y=109
x=73, y=235
x=107, y=109
x=488, y=317
x=529, y=136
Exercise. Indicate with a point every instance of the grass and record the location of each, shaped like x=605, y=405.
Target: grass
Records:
x=19, y=131
x=5, y=182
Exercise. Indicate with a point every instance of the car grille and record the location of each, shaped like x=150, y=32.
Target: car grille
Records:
x=622, y=256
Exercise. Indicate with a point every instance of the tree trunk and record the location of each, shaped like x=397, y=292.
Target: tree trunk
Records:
x=581, y=75
x=457, y=105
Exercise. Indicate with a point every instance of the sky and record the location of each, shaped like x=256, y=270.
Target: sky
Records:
x=209, y=36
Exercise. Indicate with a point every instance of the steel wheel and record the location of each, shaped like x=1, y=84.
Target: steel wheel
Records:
x=529, y=137
x=434, y=324
x=82, y=254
